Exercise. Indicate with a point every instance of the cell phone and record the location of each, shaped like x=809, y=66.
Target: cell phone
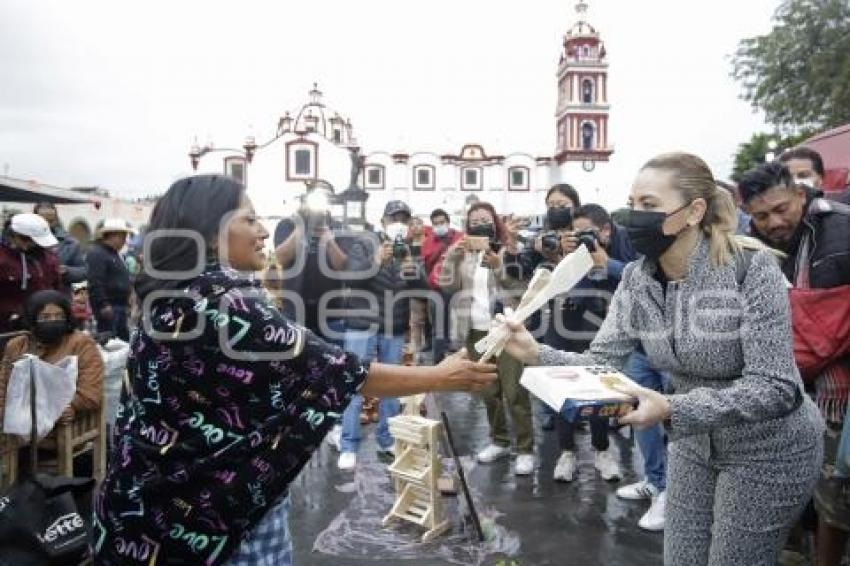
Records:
x=477, y=243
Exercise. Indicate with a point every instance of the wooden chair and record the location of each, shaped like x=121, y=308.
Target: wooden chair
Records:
x=8, y=460
x=87, y=433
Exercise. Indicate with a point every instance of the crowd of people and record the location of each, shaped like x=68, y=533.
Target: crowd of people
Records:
x=37, y=253
x=236, y=379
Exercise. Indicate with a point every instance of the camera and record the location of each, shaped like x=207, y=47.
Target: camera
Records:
x=315, y=215
x=550, y=242
x=399, y=248
x=588, y=238
x=397, y=234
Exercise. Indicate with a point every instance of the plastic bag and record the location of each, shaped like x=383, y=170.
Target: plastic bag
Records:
x=115, y=354
x=55, y=388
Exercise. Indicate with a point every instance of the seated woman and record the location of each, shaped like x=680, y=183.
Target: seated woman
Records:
x=228, y=399
x=53, y=337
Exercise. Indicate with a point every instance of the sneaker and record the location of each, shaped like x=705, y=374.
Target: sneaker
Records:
x=386, y=455
x=565, y=469
x=607, y=465
x=653, y=519
x=492, y=453
x=347, y=461
x=334, y=436
x=637, y=491
x=524, y=465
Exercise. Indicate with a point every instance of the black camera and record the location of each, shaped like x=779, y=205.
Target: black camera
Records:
x=550, y=242
x=399, y=248
x=588, y=238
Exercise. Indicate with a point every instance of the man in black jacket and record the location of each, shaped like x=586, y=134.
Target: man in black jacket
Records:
x=72, y=261
x=380, y=316
x=109, y=279
x=815, y=234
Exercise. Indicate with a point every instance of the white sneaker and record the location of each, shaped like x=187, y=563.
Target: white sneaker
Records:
x=607, y=465
x=637, y=491
x=347, y=461
x=653, y=519
x=524, y=465
x=565, y=469
x=334, y=436
x=492, y=453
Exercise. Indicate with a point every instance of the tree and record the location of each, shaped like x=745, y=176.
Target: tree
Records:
x=753, y=152
x=799, y=73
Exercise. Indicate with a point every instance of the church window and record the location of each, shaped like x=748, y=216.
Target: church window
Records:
x=587, y=136
x=587, y=91
x=302, y=162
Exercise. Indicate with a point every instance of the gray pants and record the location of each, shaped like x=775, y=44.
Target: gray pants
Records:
x=733, y=495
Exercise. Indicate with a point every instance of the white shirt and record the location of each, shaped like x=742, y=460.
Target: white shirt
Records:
x=480, y=295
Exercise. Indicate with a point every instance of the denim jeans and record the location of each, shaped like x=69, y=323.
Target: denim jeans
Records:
x=377, y=347
x=650, y=440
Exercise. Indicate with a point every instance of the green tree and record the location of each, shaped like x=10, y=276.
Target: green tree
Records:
x=752, y=153
x=799, y=73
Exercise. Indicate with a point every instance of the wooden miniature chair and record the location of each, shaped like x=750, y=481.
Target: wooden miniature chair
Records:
x=416, y=470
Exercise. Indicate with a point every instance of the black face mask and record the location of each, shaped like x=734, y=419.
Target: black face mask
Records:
x=645, y=231
x=559, y=218
x=50, y=331
x=486, y=230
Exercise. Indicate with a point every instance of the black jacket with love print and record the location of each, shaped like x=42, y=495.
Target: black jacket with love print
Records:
x=226, y=402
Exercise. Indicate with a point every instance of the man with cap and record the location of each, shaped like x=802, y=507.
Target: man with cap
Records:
x=377, y=334
x=109, y=278
x=72, y=260
x=27, y=265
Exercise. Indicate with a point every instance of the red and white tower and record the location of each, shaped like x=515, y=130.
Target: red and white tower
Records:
x=582, y=112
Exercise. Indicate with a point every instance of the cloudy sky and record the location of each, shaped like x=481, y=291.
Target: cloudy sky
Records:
x=112, y=93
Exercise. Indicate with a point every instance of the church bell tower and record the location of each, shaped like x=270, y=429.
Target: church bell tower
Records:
x=582, y=113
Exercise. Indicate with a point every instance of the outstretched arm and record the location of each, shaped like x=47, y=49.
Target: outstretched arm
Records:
x=455, y=373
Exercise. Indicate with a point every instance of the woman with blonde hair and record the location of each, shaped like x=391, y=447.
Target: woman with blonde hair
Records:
x=745, y=442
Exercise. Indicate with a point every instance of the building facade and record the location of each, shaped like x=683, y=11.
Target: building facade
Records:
x=315, y=142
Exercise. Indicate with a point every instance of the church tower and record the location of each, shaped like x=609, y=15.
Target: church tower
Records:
x=582, y=112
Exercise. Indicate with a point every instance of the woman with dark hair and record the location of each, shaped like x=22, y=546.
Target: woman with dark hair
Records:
x=227, y=399
x=53, y=337
x=480, y=278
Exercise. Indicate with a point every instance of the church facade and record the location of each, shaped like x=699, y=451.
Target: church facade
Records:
x=315, y=142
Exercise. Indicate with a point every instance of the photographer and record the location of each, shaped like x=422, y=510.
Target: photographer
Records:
x=474, y=267
x=315, y=237
x=380, y=336
x=434, y=248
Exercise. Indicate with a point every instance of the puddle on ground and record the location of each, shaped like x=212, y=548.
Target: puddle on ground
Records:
x=357, y=531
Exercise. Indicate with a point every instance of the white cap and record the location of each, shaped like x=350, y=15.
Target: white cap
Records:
x=114, y=225
x=35, y=227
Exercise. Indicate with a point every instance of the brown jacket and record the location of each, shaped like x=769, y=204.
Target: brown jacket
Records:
x=89, y=365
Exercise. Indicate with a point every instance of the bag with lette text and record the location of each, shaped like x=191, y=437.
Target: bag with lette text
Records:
x=40, y=521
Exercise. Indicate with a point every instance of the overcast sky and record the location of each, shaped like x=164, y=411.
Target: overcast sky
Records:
x=112, y=93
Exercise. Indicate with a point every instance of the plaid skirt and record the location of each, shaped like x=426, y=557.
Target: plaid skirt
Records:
x=269, y=543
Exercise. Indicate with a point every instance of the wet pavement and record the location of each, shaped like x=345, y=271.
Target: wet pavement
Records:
x=529, y=520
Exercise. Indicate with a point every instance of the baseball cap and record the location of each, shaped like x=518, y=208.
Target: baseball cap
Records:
x=35, y=227
x=396, y=206
x=114, y=225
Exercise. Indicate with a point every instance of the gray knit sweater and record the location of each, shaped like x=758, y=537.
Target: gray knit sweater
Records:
x=728, y=349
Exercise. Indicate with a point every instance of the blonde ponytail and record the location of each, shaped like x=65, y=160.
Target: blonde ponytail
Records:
x=719, y=225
